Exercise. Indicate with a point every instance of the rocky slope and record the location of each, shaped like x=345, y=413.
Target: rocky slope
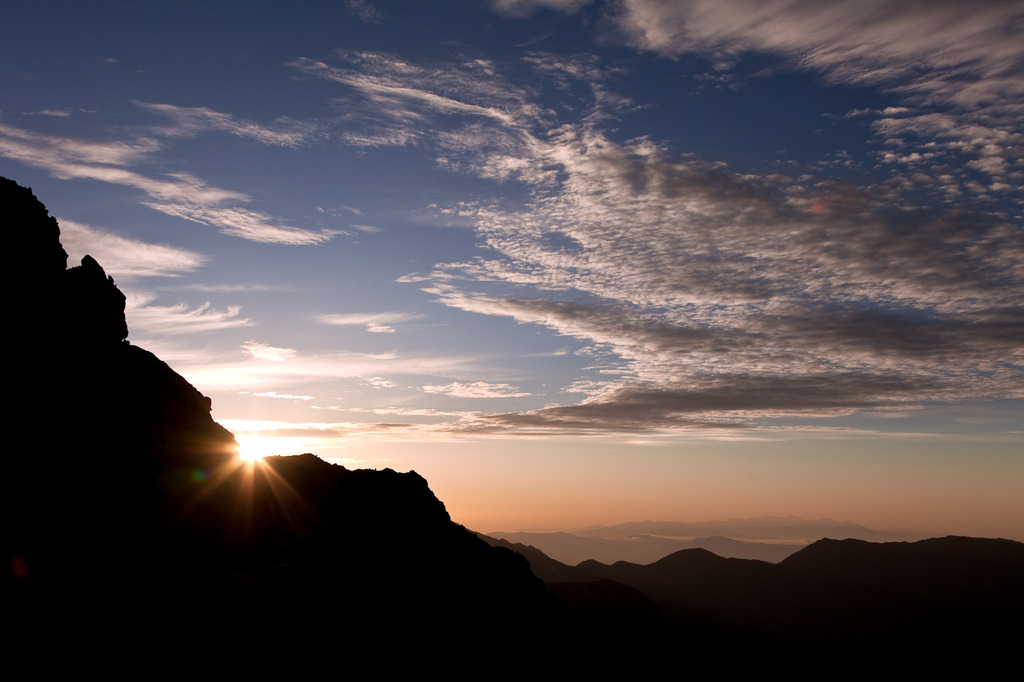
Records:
x=129, y=520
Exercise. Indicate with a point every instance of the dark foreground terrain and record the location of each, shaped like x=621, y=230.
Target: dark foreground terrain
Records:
x=137, y=540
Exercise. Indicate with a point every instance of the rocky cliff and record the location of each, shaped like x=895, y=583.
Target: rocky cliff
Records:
x=129, y=518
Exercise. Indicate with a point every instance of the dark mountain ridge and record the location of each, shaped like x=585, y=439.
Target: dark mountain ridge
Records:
x=132, y=519
x=955, y=595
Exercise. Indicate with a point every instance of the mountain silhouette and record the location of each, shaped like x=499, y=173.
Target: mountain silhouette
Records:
x=574, y=547
x=129, y=519
x=955, y=597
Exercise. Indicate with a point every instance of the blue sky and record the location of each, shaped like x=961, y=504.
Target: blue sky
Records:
x=573, y=261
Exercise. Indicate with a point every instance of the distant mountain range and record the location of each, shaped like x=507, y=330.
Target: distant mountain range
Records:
x=137, y=542
x=945, y=596
x=766, y=538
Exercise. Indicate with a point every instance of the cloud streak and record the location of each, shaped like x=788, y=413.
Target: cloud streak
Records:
x=127, y=258
x=476, y=389
x=193, y=121
x=377, y=323
x=180, y=195
x=259, y=372
x=179, y=319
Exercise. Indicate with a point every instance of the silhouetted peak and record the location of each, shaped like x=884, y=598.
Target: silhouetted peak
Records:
x=690, y=556
x=62, y=310
x=33, y=237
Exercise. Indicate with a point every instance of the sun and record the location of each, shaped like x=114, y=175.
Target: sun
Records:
x=252, y=448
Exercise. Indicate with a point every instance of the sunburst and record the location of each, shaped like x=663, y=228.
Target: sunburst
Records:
x=252, y=447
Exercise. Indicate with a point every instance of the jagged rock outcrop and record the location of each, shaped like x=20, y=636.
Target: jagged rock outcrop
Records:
x=93, y=306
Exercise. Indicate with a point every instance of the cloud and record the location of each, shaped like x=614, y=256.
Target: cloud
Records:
x=478, y=121
x=306, y=370
x=261, y=351
x=379, y=382
x=192, y=121
x=476, y=389
x=851, y=40
x=966, y=58
x=307, y=436
x=236, y=221
x=283, y=396
x=56, y=113
x=179, y=319
x=365, y=11
x=404, y=91
x=410, y=411
x=726, y=402
x=690, y=270
x=126, y=258
x=176, y=194
x=377, y=323
x=248, y=287
x=51, y=151
x=522, y=8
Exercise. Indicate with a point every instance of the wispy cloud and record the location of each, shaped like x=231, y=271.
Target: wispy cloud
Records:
x=521, y=8
x=262, y=351
x=126, y=258
x=50, y=152
x=56, y=113
x=369, y=229
x=145, y=318
x=964, y=58
x=176, y=194
x=365, y=11
x=192, y=121
x=282, y=396
x=476, y=389
x=230, y=287
x=724, y=402
x=319, y=436
x=378, y=323
x=300, y=372
x=851, y=40
x=391, y=102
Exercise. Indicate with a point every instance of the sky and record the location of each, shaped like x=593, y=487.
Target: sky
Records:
x=575, y=262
